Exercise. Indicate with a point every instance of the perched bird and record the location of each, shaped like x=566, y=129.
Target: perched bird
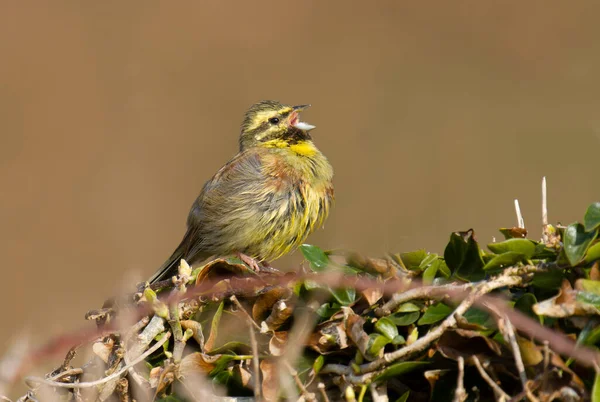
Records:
x=266, y=200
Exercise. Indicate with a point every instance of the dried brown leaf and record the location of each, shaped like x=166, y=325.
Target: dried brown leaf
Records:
x=266, y=300
x=270, y=382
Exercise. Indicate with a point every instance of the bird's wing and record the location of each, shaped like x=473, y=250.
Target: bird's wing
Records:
x=226, y=216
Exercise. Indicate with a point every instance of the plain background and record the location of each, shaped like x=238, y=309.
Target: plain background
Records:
x=435, y=116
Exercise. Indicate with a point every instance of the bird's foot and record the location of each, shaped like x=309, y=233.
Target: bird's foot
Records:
x=256, y=267
x=251, y=262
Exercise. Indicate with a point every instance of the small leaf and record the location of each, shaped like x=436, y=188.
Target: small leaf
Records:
x=386, y=327
x=344, y=296
x=214, y=329
x=435, y=313
x=413, y=259
x=548, y=280
x=589, y=286
x=430, y=272
x=577, y=241
x=429, y=259
x=398, y=369
x=504, y=260
x=443, y=269
x=376, y=344
x=318, y=364
x=596, y=389
x=471, y=268
x=317, y=257
x=404, y=397
x=402, y=320
x=398, y=340
x=408, y=308
x=593, y=253
x=525, y=304
x=521, y=246
x=413, y=336
x=326, y=310
x=589, y=298
x=478, y=317
x=454, y=251
x=591, y=220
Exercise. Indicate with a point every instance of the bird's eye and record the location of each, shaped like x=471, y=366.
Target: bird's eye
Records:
x=274, y=120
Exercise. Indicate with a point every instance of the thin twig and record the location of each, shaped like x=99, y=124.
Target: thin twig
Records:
x=499, y=392
x=243, y=310
x=308, y=396
x=321, y=388
x=510, y=277
x=460, y=395
x=423, y=292
x=546, y=363
x=255, y=362
x=545, y=237
x=512, y=339
x=378, y=392
x=105, y=379
x=520, y=221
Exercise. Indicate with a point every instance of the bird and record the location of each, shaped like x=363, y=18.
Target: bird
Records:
x=266, y=200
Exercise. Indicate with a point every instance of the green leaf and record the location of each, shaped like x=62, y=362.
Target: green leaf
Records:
x=214, y=328
x=376, y=343
x=596, y=389
x=521, y=246
x=479, y=317
x=408, y=308
x=525, y=304
x=221, y=364
x=430, y=272
x=344, y=296
x=386, y=327
x=443, y=269
x=435, y=313
x=398, y=369
x=548, y=280
x=319, y=261
x=593, y=253
x=223, y=377
x=591, y=220
x=326, y=310
x=404, y=397
x=318, y=364
x=463, y=256
x=589, y=298
x=412, y=260
x=577, y=241
x=504, y=260
x=454, y=251
x=402, y=320
x=544, y=252
x=429, y=259
x=590, y=286
x=398, y=340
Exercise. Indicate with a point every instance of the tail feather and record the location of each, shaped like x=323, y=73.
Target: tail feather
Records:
x=190, y=254
x=169, y=267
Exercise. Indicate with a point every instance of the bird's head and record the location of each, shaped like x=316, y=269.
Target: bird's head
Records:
x=269, y=121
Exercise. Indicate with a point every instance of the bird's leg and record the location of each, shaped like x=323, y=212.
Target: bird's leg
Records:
x=251, y=262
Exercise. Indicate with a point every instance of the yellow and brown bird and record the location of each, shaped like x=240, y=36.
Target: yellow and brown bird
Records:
x=266, y=200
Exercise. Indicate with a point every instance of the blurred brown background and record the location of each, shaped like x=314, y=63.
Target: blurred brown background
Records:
x=435, y=117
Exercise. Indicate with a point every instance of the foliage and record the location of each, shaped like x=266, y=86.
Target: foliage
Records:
x=356, y=328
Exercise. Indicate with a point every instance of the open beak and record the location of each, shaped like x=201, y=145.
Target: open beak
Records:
x=296, y=120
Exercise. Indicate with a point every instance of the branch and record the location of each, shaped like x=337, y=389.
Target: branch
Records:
x=91, y=384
